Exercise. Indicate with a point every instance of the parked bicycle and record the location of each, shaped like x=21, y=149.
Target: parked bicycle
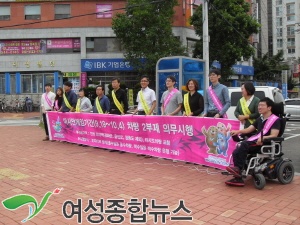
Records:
x=3, y=105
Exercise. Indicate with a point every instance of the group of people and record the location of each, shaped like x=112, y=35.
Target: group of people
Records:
x=254, y=114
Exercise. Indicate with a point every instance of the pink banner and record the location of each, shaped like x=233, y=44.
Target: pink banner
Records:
x=205, y=141
x=63, y=43
x=83, y=79
x=104, y=10
x=35, y=46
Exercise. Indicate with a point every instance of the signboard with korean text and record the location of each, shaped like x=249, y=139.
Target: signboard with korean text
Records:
x=116, y=64
x=63, y=43
x=104, y=10
x=205, y=141
x=34, y=46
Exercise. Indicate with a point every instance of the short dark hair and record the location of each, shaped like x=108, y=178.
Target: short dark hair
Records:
x=195, y=83
x=172, y=78
x=117, y=79
x=83, y=90
x=100, y=85
x=215, y=71
x=249, y=87
x=48, y=85
x=268, y=101
x=68, y=83
x=145, y=76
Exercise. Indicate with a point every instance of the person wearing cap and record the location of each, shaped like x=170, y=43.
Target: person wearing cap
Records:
x=146, y=98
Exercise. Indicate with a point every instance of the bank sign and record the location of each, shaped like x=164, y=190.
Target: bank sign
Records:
x=116, y=64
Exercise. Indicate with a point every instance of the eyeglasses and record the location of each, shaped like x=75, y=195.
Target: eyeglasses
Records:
x=144, y=81
x=212, y=75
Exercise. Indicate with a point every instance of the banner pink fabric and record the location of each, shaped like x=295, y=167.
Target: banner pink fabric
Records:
x=205, y=141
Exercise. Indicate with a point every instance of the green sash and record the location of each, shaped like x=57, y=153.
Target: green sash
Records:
x=187, y=104
x=144, y=103
x=245, y=109
x=98, y=106
x=116, y=101
x=67, y=102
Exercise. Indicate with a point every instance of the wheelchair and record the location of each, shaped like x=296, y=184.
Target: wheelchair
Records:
x=267, y=161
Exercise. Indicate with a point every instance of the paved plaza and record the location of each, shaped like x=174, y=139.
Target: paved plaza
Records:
x=33, y=167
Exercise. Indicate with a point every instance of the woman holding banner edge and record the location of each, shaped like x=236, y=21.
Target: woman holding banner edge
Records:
x=193, y=102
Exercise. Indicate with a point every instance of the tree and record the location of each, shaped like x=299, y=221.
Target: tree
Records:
x=266, y=68
x=145, y=32
x=230, y=25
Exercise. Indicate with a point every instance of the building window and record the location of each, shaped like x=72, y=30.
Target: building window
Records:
x=279, y=32
x=279, y=21
x=12, y=83
x=2, y=84
x=4, y=12
x=291, y=30
x=290, y=42
x=278, y=2
x=290, y=9
x=62, y=11
x=278, y=11
x=32, y=12
x=290, y=18
x=291, y=50
x=37, y=83
x=26, y=84
x=105, y=44
x=279, y=43
x=104, y=10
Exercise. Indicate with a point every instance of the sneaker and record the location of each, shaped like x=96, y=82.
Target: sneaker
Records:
x=235, y=171
x=238, y=182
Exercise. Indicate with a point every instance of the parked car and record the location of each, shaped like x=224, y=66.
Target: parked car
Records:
x=292, y=107
x=260, y=91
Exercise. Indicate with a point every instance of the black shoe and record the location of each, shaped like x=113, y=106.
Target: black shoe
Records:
x=238, y=182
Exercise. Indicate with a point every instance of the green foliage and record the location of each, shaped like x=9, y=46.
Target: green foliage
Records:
x=291, y=83
x=230, y=27
x=266, y=68
x=146, y=33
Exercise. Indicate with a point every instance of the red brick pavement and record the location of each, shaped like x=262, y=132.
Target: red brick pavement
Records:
x=31, y=166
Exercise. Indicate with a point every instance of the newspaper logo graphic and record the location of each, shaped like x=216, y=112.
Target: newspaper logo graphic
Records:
x=17, y=201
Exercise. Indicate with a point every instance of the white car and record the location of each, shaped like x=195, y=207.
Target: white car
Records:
x=292, y=107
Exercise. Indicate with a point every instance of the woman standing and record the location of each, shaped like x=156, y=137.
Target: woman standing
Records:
x=193, y=103
x=58, y=99
x=83, y=103
x=246, y=110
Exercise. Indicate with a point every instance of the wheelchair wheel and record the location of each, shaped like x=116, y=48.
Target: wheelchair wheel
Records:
x=286, y=173
x=259, y=181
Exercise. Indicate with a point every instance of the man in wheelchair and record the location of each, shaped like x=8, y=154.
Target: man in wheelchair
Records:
x=266, y=126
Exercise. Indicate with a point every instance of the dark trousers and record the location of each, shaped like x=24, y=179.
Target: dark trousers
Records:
x=212, y=113
x=45, y=124
x=141, y=113
x=115, y=111
x=239, y=155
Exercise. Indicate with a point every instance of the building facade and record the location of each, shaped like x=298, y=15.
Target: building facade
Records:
x=52, y=41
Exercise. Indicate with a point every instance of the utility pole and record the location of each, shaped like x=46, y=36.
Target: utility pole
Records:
x=205, y=43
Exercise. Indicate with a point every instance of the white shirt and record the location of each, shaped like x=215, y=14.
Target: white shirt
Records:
x=249, y=100
x=44, y=103
x=149, y=96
